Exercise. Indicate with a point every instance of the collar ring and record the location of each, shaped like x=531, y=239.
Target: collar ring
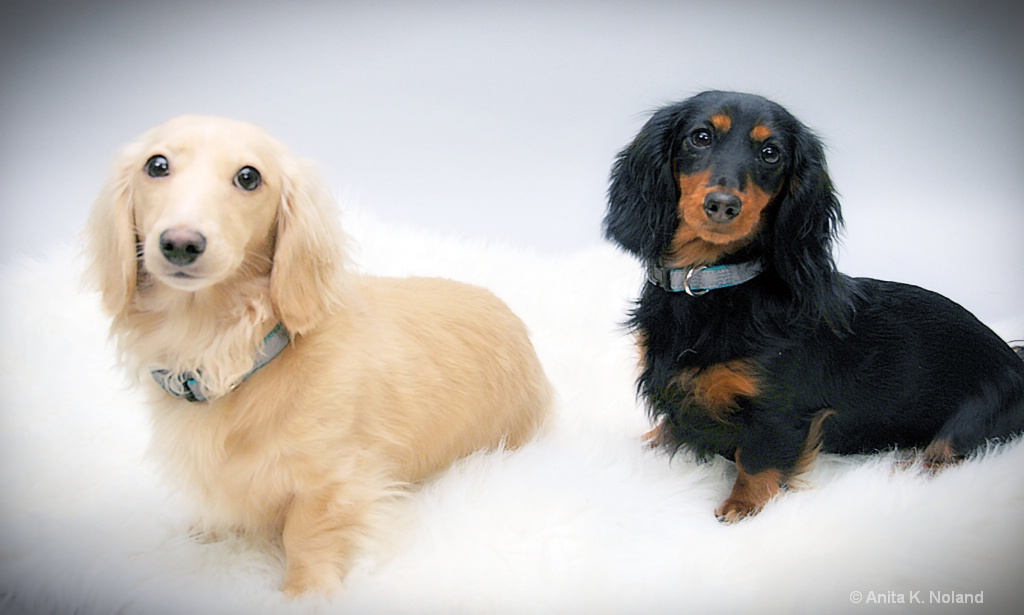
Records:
x=688, y=278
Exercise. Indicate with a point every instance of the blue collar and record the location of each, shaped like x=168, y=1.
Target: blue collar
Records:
x=696, y=281
x=187, y=385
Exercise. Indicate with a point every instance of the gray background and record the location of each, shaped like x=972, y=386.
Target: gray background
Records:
x=498, y=121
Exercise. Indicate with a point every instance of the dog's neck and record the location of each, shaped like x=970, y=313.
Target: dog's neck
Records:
x=213, y=333
x=189, y=385
x=700, y=280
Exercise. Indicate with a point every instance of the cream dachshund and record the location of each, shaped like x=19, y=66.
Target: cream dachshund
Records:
x=289, y=395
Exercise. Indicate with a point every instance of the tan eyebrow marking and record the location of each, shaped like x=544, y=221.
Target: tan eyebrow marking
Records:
x=721, y=122
x=760, y=132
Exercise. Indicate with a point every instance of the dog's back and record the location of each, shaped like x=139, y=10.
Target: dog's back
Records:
x=916, y=369
x=459, y=349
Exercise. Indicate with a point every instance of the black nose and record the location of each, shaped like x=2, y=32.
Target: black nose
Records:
x=722, y=207
x=182, y=246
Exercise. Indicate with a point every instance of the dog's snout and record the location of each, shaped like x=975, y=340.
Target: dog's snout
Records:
x=182, y=246
x=722, y=207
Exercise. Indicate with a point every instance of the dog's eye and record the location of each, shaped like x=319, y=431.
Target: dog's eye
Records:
x=701, y=138
x=770, y=154
x=248, y=178
x=157, y=166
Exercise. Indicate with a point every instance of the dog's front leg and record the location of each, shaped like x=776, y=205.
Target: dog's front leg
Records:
x=750, y=492
x=768, y=452
x=320, y=530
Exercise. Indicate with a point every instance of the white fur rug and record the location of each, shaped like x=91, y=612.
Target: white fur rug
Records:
x=584, y=520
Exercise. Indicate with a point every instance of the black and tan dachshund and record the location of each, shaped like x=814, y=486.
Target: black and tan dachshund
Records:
x=753, y=346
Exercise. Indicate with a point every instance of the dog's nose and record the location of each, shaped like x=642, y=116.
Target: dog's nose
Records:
x=722, y=207
x=182, y=246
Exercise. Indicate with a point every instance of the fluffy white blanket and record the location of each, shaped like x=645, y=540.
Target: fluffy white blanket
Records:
x=584, y=520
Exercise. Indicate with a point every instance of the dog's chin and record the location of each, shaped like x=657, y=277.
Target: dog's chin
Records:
x=184, y=280
x=731, y=235
x=193, y=277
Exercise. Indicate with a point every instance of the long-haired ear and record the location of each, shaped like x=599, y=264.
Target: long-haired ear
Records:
x=110, y=238
x=643, y=195
x=305, y=283
x=808, y=220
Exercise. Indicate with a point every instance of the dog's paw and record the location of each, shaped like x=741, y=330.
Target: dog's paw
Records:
x=733, y=510
x=652, y=438
x=205, y=535
x=938, y=456
x=311, y=580
x=656, y=437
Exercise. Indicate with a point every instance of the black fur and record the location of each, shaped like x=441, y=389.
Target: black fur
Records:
x=900, y=366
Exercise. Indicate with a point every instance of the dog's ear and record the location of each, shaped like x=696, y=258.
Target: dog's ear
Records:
x=643, y=196
x=305, y=283
x=110, y=237
x=807, y=222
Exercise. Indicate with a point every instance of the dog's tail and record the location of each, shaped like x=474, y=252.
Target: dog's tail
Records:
x=1018, y=347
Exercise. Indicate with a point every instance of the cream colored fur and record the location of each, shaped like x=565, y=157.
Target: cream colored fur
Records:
x=385, y=382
